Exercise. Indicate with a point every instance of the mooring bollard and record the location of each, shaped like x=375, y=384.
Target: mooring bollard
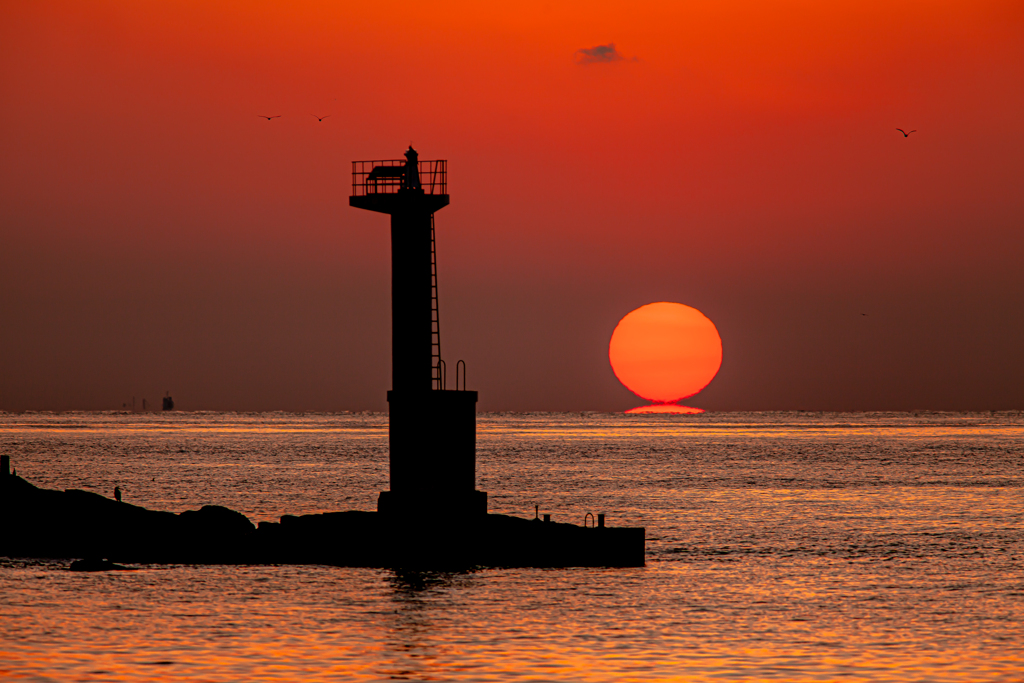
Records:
x=600, y=520
x=5, y=465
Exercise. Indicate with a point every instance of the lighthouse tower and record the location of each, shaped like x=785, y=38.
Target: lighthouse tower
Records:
x=431, y=429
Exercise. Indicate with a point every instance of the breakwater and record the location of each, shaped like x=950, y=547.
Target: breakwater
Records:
x=77, y=524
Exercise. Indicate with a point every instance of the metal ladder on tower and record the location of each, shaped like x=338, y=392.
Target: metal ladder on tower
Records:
x=436, y=364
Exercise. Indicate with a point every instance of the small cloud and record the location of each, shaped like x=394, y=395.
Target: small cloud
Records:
x=600, y=54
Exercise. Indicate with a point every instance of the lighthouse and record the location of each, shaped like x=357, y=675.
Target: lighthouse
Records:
x=431, y=427
x=431, y=517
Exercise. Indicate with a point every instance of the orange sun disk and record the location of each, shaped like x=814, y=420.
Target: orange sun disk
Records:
x=665, y=352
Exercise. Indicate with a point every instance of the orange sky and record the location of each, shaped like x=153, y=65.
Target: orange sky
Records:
x=740, y=158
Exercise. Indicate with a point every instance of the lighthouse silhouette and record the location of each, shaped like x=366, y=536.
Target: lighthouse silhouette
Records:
x=431, y=428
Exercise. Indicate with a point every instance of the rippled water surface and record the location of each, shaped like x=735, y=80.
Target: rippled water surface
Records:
x=781, y=546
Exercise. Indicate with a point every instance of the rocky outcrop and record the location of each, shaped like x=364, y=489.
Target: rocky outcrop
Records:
x=38, y=522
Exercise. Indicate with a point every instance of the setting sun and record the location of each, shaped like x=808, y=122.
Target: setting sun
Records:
x=665, y=352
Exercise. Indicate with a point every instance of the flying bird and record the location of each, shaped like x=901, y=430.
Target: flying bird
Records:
x=320, y=118
x=263, y=116
x=905, y=134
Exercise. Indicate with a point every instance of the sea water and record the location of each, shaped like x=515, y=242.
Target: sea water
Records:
x=780, y=546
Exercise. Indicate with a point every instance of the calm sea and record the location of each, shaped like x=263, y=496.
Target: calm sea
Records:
x=781, y=546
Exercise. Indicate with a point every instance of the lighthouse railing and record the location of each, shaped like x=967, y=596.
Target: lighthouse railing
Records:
x=388, y=176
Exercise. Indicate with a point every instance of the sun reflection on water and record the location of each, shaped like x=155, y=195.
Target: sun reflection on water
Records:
x=789, y=546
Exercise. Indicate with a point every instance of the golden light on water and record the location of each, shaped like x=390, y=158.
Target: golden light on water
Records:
x=860, y=546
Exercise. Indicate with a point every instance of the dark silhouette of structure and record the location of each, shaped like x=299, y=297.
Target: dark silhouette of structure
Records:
x=168, y=402
x=82, y=524
x=432, y=517
x=432, y=429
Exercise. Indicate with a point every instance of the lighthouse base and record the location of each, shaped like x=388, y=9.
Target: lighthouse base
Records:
x=393, y=503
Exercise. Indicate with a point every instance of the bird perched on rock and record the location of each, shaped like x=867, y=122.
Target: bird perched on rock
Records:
x=117, y=493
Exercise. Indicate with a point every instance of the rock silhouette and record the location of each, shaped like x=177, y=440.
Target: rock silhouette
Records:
x=81, y=524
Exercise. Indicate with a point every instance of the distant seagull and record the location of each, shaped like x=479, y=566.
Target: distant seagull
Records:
x=905, y=134
x=320, y=118
x=863, y=313
x=268, y=117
